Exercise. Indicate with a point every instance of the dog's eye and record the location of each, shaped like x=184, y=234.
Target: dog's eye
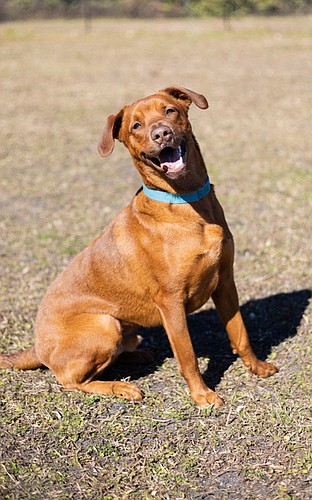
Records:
x=136, y=125
x=169, y=111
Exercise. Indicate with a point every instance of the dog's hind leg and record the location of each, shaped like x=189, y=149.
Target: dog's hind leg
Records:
x=124, y=390
x=90, y=343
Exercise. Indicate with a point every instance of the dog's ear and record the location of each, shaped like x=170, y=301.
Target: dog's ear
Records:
x=111, y=132
x=188, y=96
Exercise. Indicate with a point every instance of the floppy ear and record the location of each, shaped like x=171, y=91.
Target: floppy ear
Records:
x=111, y=132
x=188, y=96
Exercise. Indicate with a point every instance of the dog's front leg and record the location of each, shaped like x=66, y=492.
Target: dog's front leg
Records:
x=226, y=301
x=174, y=321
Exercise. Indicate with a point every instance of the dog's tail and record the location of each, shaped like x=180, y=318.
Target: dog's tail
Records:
x=23, y=360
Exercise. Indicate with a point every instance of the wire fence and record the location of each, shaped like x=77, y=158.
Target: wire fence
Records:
x=21, y=9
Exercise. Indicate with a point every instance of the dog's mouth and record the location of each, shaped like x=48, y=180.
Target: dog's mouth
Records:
x=171, y=161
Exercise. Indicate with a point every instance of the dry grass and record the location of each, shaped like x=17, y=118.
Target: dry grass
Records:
x=57, y=86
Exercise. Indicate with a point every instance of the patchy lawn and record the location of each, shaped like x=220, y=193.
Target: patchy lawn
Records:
x=58, y=84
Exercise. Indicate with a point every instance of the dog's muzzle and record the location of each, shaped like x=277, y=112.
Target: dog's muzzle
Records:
x=171, y=152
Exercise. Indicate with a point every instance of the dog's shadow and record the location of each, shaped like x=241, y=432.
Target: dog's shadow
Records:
x=269, y=321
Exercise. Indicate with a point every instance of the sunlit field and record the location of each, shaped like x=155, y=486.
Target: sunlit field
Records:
x=58, y=82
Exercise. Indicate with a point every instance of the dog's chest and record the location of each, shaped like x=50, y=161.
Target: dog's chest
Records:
x=191, y=255
x=203, y=252
x=198, y=272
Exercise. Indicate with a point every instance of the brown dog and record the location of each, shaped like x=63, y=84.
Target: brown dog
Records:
x=161, y=258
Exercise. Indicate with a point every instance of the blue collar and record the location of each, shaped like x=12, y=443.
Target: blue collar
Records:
x=165, y=197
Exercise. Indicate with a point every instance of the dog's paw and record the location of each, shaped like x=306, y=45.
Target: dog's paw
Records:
x=206, y=398
x=126, y=390
x=263, y=369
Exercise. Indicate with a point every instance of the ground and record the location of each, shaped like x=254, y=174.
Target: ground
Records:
x=58, y=84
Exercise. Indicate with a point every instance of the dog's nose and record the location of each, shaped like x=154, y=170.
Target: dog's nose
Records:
x=162, y=134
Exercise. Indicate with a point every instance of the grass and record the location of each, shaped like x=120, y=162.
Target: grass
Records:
x=57, y=86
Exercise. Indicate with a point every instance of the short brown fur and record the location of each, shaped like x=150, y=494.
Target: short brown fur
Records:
x=155, y=263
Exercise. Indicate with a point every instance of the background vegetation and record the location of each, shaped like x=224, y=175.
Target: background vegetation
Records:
x=58, y=84
x=16, y=9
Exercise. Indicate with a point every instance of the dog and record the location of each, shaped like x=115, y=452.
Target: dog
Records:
x=160, y=259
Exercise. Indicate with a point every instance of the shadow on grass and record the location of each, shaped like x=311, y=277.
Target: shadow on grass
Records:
x=269, y=321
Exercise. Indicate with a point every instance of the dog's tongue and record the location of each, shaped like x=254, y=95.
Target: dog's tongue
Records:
x=171, y=159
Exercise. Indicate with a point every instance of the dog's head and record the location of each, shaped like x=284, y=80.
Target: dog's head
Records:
x=156, y=130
